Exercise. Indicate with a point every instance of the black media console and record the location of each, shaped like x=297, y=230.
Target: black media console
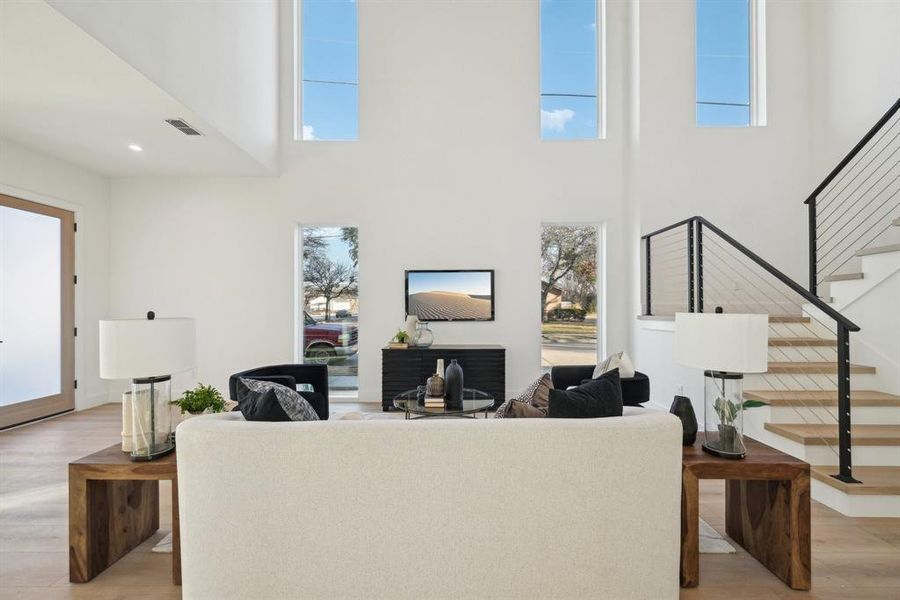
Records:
x=484, y=368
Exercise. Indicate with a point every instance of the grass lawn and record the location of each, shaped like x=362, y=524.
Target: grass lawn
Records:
x=570, y=329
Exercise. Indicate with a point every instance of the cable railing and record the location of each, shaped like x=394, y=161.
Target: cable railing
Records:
x=694, y=266
x=852, y=209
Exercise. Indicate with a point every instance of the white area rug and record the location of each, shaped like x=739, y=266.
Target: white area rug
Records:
x=713, y=543
x=165, y=544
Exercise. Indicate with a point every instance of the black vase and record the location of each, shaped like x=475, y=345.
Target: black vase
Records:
x=453, y=385
x=682, y=408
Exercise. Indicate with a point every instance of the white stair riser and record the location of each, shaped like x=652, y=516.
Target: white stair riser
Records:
x=861, y=415
x=800, y=381
x=802, y=354
x=854, y=505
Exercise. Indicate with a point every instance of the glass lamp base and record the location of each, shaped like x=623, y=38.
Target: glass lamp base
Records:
x=714, y=449
x=158, y=451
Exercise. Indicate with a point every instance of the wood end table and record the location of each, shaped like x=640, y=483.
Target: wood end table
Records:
x=114, y=506
x=767, y=509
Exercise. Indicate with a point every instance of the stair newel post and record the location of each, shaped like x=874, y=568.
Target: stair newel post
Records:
x=845, y=455
x=699, y=266
x=647, y=308
x=690, y=264
x=813, y=279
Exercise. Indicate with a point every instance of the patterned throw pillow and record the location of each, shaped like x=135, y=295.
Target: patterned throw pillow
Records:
x=532, y=402
x=267, y=401
x=620, y=361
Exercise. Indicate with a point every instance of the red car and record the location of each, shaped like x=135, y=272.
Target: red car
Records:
x=324, y=341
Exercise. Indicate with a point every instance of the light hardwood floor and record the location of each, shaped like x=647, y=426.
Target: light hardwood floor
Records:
x=852, y=558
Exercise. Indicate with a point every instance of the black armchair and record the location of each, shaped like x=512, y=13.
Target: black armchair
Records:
x=290, y=376
x=635, y=390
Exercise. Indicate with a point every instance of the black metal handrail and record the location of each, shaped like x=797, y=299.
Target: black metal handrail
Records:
x=812, y=199
x=695, y=227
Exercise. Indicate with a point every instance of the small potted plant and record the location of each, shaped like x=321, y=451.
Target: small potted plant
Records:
x=202, y=399
x=400, y=340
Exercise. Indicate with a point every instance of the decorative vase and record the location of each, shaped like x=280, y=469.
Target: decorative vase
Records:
x=434, y=388
x=682, y=408
x=424, y=337
x=440, y=366
x=411, y=322
x=453, y=385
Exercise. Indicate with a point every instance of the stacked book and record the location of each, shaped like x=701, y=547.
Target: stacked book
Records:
x=434, y=402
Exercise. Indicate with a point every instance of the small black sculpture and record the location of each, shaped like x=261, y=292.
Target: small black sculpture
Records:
x=684, y=410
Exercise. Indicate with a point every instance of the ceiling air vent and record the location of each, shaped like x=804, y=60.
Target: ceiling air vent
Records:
x=182, y=126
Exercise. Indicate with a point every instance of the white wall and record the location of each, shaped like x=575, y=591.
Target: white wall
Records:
x=855, y=62
x=39, y=178
x=218, y=58
x=449, y=172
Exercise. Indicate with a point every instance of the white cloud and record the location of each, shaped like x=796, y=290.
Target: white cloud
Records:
x=309, y=133
x=556, y=119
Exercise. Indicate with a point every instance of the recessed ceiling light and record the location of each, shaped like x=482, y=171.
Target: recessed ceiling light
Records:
x=135, y=148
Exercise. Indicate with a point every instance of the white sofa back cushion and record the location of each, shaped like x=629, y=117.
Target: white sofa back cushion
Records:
x=530, y=508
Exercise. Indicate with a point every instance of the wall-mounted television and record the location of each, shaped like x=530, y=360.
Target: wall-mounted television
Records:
x=450, y=295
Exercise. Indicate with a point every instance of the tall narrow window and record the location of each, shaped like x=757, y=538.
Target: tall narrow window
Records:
x=730, y=65
x=329, y=70
x=571, y=63
x=569, y=295
x=329, y=331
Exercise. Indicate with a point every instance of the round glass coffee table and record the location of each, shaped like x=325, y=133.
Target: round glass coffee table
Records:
x=412, y=403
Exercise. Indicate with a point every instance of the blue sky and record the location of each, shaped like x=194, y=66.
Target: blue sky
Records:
x=569, y=68
x=330, y=54
x=476, y=284
x=336, y=249
x=723, y=62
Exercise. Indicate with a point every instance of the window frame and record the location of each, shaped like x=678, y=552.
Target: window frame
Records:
x=298, y=77
x=757, y=71
x=601, y=75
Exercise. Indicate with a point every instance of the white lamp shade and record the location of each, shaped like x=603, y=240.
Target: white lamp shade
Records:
x=734, y=343
x=138, y=348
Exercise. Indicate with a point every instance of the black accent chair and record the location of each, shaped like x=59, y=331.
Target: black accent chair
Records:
x=290, y=376
x=635, y=390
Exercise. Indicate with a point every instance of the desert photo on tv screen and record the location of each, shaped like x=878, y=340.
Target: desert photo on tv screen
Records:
x=450, y=295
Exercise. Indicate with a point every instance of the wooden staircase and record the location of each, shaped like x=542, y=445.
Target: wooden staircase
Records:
x=801, y=416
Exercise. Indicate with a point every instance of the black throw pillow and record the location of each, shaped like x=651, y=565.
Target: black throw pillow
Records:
x=267, y=401
x=256, y=406
x=601, y=397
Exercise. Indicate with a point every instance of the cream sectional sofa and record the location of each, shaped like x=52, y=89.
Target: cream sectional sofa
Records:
x=430, y=509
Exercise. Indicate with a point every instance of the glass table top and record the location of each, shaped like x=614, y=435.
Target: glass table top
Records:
x=413, y=401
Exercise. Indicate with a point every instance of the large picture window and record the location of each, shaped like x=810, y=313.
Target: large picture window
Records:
x=329, y=328
x=570, y=301
x=329, y=70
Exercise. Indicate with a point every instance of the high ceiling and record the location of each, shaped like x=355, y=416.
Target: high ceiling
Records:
x=65, y=94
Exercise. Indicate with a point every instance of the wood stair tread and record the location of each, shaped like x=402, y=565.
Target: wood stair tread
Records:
x=815, y=434
x=822, y=397
x=880, y=481
x=878, y=250
x=844, y=277
x=821, y=368
x=801, y=341
x=788, y=319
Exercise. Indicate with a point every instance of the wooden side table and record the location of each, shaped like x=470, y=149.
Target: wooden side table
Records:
x=113, y=507
x=767, y=509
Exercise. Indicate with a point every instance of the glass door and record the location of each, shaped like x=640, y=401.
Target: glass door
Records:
x=37, y=331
